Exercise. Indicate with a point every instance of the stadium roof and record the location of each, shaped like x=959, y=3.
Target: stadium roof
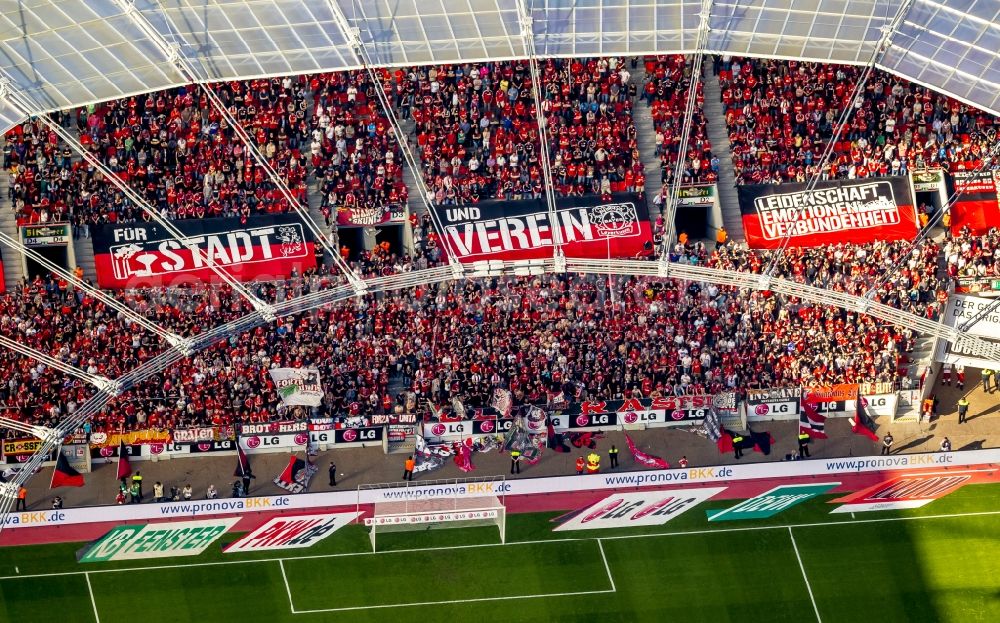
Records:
x=66, y=53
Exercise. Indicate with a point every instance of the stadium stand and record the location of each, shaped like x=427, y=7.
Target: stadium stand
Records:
x=781, y=114
x=668, y=79
x=354, y=154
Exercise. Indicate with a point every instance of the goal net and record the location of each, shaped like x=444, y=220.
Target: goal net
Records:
x=429, y=505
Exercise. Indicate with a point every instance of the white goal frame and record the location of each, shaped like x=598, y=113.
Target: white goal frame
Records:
x=426, y=505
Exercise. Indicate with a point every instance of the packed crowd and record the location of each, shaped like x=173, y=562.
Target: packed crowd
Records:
x=633, y=336
x=968, y=255
x=781, y=115
x=172, y=147
x=668, y=80
x=477, y=132
x=354, y=152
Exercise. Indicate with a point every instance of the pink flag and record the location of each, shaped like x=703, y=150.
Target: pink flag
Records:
x=645, y=459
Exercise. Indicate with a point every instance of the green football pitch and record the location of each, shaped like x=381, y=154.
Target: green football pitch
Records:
x=938, y=563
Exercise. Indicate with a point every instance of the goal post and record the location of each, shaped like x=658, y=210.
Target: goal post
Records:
x=437, y=504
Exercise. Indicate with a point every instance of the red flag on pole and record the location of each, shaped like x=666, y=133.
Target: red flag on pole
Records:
x=811, y=422
x=124, y=467
x=860, y=421
x=64, y=475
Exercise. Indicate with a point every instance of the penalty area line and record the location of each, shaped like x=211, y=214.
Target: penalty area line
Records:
x=288, y=589
x=607, y=567
x=93, y=602
x=805, y=577
x=454, y=601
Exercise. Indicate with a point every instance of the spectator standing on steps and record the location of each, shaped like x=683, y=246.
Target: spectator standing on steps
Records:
x=887, y=444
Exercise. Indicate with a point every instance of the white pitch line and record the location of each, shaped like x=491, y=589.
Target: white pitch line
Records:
x=607, y=567
x=93, y=602
x=288, y=589
x=414, y=550
x=454, y=601
x=804, y=576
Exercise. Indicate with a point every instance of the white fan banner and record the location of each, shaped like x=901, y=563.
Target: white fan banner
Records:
x=298, y=386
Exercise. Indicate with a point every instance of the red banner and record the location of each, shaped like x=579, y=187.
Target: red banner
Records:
x=523, y=230
x=977, y=204
x=835, y=211
x=366, y=217
x=145, y=254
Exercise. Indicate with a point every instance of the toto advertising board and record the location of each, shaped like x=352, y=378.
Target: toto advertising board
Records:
x=158, y=540
x=523, y=230
x=649, y=508
x=145, y=254
x=835, y=211
x=770, y=503
x=293, y=532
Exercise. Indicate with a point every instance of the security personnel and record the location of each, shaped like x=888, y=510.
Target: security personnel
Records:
x=333, y=474
x=963, y=409
x=987, y=377
x=580, y=465
x=738, y=446
x=887, y=443
x=22, y=499
x=613, y=457
x=515, y=461
x=137, y=481
x=408, y=468
x=803, y=444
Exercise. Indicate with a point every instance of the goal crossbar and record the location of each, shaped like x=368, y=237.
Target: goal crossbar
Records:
x=449, y=503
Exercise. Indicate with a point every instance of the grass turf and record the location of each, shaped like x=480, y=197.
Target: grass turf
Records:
x=930, y=569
